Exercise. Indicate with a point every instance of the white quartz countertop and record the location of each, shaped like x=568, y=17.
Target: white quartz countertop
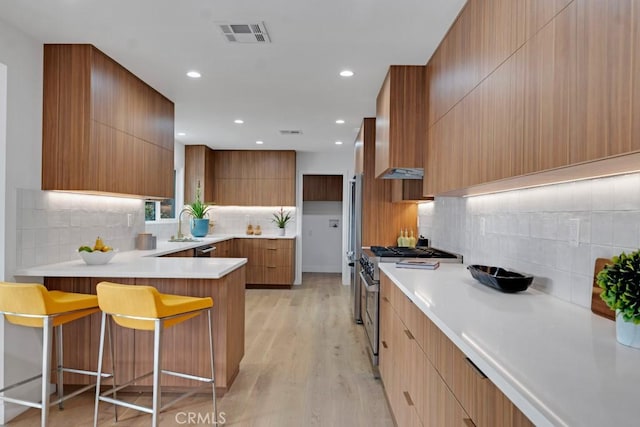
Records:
x=164, y=247
x=558, y=362
x=145, y=264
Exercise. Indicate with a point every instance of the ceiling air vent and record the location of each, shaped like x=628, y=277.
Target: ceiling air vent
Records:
x=245, y=33
x=290, y=132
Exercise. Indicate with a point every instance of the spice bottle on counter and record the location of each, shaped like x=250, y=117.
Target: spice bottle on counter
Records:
x=257, y=231
x=250, y=230
x=402, y=240
x=412, y=240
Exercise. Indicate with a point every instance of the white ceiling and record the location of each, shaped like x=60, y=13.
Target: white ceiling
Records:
x=292, y=83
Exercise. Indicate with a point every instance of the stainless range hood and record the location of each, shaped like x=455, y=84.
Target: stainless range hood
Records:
x=404, y=173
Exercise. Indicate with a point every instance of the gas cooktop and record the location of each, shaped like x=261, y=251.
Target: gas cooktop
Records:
x=406, y=252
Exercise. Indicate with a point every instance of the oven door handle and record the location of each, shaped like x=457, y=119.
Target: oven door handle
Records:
x=369, y=283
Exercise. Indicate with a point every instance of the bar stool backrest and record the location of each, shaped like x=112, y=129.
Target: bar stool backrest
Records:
x=25, y=298
x=129, y=300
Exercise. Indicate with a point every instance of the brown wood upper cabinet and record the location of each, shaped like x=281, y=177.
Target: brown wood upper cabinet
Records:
x=198, y=168
x=104, y=130
x=358, y=152
x=255, y=178
x=608, y=74
x=560, y=90
x=400, y=117
x=407, y=191
x=322, y=188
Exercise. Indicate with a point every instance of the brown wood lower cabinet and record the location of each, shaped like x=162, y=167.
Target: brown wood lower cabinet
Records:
x=224, y=249
x=185, y=346
x=427, y=379
x=270, y=262
x=187, y=253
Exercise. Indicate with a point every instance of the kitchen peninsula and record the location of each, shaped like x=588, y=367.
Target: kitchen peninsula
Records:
x=222, y=279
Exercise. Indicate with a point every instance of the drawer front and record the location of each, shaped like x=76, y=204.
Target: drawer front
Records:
x=278, y=244
x=278, y=257
x=278, y=275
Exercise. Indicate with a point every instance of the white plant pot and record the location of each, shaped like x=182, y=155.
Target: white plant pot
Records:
x=627, y=333
x=281, y=231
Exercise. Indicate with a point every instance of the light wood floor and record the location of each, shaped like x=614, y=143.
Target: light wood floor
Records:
x=305, y=364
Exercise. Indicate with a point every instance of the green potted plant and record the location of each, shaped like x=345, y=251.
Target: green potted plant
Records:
x=620, y=282
x=281, y=218
x=198, y=211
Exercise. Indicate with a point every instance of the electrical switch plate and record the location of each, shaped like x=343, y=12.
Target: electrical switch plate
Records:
x=574, y=232
x=482, y=225
x=129, y=220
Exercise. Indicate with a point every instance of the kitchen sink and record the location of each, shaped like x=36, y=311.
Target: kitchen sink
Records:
x=184, y=239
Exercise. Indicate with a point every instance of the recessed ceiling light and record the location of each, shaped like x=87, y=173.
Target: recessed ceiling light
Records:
x=259, y=142
x=194, y=74
x=340, y=121
x=346, y=73
x=338, y=142
x=181, y=134
x=238, y=121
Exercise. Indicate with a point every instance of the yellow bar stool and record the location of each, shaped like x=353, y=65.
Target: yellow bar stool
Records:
x=32, y=305
x=144, y=308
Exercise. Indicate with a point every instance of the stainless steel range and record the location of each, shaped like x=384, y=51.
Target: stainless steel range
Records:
x=370, y=258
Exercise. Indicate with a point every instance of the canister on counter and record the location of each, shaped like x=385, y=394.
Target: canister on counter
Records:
x=145, y=241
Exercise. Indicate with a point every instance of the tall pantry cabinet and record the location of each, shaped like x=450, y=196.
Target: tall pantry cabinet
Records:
x=104, y=130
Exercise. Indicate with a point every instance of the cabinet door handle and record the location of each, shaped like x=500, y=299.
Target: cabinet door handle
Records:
x=271, y=266
x=386, y=299
x=408, y=332
x=407, y=396
x=384, y=344
x=475, y=368
x=272, y=249
x=468, y=422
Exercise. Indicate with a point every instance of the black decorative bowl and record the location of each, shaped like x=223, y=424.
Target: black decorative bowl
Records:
x=499, y=278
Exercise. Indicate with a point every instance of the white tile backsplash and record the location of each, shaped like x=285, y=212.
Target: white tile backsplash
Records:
x=229, y=220
x=528, y=230
x=53, y=225
x=602, y=228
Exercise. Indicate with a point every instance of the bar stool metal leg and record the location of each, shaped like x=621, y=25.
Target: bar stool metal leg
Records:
x=60, y=360
x=213, y=374
x=99, y=377
x=113, y=362
x=157, y=369
x=47, y=331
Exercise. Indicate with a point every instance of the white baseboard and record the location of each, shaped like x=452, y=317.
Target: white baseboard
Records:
x=322, y=269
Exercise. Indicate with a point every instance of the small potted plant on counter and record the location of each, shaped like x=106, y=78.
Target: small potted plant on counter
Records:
x=198, y=211
x=281, y=218
x=620, y=282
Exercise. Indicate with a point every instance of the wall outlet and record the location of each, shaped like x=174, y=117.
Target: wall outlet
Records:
x=574, y=232
x=129, y=220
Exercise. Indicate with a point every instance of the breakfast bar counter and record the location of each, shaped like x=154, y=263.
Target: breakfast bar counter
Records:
x=185, y=346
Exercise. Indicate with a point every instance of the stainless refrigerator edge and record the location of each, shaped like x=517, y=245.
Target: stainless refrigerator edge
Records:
x=355, y=243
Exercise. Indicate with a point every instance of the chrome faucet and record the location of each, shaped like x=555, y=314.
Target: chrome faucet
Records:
x=180, y=235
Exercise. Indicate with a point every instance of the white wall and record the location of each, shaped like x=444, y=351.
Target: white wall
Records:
x=531, y=230
x=322, y=237
x=3, y=180
x=338, y=162
x=3, y=159
x=23, y=57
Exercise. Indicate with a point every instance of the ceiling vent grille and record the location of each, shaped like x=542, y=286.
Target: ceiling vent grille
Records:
x=290, y=132
x=245, y=33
